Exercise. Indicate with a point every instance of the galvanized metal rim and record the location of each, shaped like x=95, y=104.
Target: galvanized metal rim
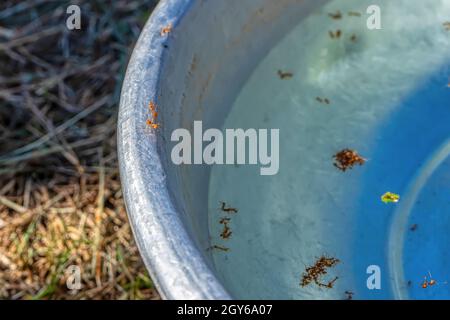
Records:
x=176, y=265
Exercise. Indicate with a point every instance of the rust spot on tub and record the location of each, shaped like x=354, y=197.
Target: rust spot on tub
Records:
x=204, y=88
x=193, y=65
x=258, y=17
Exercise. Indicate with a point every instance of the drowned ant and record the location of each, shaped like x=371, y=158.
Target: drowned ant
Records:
x=323, y=100
x=432, y=282
x=335, y=16
x=285, y=75
x=427, y=283
x=337, y=34
x=224, y=220
x=166, y=30
x=221, y=248
x=226, y=232
x=353, y=38
x=414, y=227
x=446, y=25
x=354, y=14
x=349, y=295
x=229, y=209
x=328, y=285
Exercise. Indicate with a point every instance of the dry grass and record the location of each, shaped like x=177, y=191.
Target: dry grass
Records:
x=60, y=197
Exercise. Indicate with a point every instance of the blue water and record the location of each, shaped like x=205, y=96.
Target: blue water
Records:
x=389, y=100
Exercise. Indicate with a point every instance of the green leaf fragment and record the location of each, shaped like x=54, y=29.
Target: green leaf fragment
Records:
x=390, y=197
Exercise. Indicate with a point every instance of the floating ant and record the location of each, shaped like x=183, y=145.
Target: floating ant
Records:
x=414, y=227
x=335, y=16
x=349, y=295
x=226, y=232
x=328, y=285
x=221, y=248
x=228, y=210
x=354, y=14
x=224, y=220
x=432, y=282
x=337, y=34
x=323, y=100
x=446, y=25
x=285, y=75
x=166, y=30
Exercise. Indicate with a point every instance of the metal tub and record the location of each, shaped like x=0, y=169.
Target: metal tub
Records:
x=192, y=73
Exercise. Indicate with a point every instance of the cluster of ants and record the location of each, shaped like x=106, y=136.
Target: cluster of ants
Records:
x=337, y=16
x=346, y=159
x=313, y=274
x=226, y=231
x=151, y=122
x=337, y=35
x=319, y=269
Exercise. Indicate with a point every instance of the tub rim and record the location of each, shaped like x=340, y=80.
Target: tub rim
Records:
x=176, y=265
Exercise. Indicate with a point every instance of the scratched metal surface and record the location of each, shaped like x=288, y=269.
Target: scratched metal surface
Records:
x=176, y=266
